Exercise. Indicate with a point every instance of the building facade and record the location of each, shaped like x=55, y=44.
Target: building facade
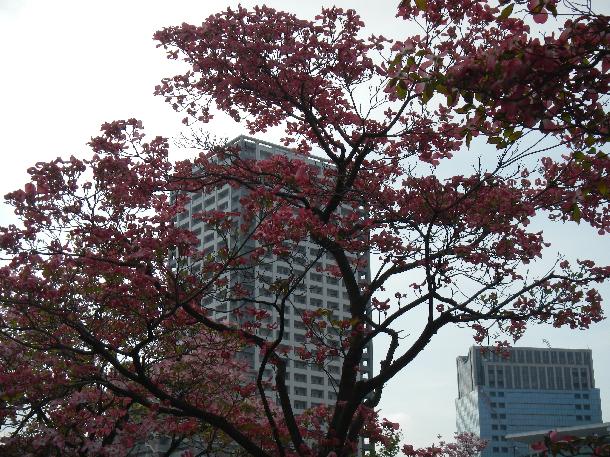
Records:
x=309, y=384
x=531, y=389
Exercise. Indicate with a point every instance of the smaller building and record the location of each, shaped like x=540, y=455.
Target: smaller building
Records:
x=531, y=389
x=581, y=431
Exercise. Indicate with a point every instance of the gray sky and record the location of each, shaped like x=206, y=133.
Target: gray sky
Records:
x=68, y=66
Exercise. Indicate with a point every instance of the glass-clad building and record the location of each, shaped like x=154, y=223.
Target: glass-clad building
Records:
x=530, y=389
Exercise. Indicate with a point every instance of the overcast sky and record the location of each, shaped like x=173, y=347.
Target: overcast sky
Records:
x=68, y=66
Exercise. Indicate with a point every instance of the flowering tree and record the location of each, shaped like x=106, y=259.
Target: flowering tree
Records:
x=465, y=445
x=558, y=444
x=106, y=332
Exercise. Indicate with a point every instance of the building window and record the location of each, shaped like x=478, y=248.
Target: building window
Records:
x=300, y=391
x=316, y=290
x=299, y=324
x=317, y=380
x=316, y=393
x=222, y=194
x=316, y=302
x=316, y=251
x=299, y=404
x=300, y=377
x=283, y=270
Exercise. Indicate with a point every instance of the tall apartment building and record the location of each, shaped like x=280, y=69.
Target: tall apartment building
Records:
x=309, y=385
x=531, y=389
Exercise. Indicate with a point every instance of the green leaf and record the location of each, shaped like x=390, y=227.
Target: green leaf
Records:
x=514, y=136
x=506, y=11
x=464, y=109
x=428, y=93
x=401, y=90
x=499, y=142
x=576, y=213
x=590, y=140
x=396, y=60
x=468, y=139
x=421, y=4
x=602, y=188
x=442, y=89
x=579, y=156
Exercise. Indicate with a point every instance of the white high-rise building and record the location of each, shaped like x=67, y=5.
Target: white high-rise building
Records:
x=309, y=384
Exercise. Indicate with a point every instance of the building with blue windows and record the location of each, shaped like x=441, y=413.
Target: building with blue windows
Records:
x=530, y=389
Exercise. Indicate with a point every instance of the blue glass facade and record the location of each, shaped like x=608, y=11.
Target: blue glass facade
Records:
x=531, y=389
